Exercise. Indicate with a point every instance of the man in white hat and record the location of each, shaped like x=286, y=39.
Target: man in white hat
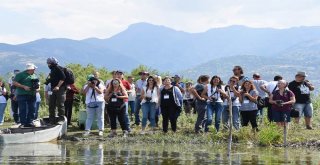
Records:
x=301, y=89
x=27, y=84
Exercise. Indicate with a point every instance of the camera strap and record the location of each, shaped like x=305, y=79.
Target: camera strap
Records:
x=151, y=91
x=93, y=93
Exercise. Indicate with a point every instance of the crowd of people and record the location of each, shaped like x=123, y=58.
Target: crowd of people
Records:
x=120, y=100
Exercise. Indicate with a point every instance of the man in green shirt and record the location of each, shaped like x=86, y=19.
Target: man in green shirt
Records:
x=27, y=84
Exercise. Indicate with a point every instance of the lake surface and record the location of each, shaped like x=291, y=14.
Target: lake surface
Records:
x=100, y=153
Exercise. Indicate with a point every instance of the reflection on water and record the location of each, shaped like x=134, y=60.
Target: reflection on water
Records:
x=99, y=153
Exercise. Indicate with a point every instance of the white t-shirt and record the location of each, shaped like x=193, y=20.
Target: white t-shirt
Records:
x=38, y=97
x=132, y=93
x=2, y=98
x=258, y=84
x=90, y=97
x=217, y=95
x=271, y=85
x=153, y=94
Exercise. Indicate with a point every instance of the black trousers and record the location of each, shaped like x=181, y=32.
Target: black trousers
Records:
x=249, y=116
x=120, y=114
x=68, y=110
x=169, y=113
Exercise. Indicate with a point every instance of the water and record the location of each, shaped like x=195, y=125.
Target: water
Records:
x=99, y=153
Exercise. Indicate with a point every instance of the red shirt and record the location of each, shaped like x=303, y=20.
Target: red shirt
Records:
x=71, y=91
x=127, y=85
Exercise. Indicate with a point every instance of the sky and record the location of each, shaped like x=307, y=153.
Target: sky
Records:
x=26, y=20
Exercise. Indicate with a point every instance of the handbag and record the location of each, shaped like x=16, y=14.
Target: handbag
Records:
x=261, y=102
x=294, y=113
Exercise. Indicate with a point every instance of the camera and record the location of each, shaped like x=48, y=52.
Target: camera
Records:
x=148, y=99
x=279, y=103
x=233, y=99
x=91, y=80
x=35, y=84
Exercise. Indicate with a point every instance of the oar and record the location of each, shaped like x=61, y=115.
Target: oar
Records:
x=230, y=122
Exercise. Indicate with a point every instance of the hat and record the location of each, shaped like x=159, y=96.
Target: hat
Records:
x=304, y=74
x=90, y=76
x=119, y=71
x=30, y=66
x=144, y=72
x=52, y=60
x=256, y=75
x=176, y=76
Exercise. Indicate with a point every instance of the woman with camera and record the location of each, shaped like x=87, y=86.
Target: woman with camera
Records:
x=115, y=96
x=248, y=98
x=170, y=104
x=149, y=97
x=282, y=101
x=234, y=89
x=3, y=101
x=95, y=104
x=213, y=93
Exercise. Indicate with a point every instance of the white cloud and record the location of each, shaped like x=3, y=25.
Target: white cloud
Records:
x=78, y=19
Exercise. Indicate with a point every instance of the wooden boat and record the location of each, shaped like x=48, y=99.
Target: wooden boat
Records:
x=42, y=132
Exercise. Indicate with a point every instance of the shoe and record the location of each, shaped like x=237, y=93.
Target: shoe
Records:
x=125, y=134
x=142, y=133
x=309, y=127
x=86, y=133
x=112, y=134
x=100, y=133
x=29, y=125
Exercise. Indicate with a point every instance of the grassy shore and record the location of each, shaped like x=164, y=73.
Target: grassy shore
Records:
x=269, y=134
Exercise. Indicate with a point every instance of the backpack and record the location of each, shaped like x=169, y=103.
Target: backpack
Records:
x=69, y=76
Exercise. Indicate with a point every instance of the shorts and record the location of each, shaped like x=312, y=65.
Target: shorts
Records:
x=279, y=116
x=306, y=109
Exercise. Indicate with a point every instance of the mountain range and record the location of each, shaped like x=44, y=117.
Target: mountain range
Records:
x=216, y=51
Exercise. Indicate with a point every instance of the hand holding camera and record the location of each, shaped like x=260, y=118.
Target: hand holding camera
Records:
x=279, y=103
x=148, y=99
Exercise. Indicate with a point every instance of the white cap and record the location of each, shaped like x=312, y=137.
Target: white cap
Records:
x=30, y=66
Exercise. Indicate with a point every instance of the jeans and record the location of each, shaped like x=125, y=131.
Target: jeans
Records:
x=27, y=106
x=201, y=108
x=137, y=110
x=99, y=112
x=149, y=112
x=126, y=117
x=15, y=111
x=68, y=106
x=2, y=109
x=305, y=109
x=36, y=110
x=120, y=114
x=57, y=99
x=169, y=113
x=217, y=108
x=235, y=117
x=132, y=107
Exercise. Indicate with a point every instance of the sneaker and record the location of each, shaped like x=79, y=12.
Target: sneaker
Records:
x=309, y=127
x=100, y=133
x=86, y=133
x=125, y=134
x=142, y=132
